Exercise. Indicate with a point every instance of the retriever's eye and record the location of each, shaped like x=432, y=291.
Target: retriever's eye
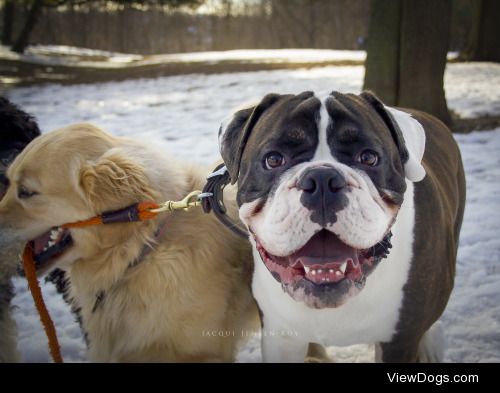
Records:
x=24, y=193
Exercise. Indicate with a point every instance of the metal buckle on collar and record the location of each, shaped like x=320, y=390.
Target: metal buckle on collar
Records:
x=190, y=200
x=212, y=198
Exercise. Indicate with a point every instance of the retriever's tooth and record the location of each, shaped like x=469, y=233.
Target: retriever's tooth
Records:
x=343, y=267
x=50, y=244
x=337, y=273
x=45, y=249
x=54, y=235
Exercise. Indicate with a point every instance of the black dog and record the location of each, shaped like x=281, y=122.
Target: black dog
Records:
x=17, y=129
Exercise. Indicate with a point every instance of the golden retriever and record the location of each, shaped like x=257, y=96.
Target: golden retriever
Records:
x=187, y=300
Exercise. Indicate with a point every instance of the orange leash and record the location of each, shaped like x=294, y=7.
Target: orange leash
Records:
x=138, y=212
x=143, y=212
x=36, y=292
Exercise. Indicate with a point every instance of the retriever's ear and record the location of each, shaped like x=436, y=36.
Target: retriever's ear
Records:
x=115, y=178
x=408, y=134
x=233, y=137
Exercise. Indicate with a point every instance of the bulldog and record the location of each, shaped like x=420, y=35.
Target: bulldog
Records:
x=354, y=212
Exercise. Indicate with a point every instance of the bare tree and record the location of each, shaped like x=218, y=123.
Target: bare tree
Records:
x=407, y=47
x=8, y=19
x=485, y=31
x=35, y=8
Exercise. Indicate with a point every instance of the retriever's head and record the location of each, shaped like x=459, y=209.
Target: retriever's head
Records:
x=73, y=174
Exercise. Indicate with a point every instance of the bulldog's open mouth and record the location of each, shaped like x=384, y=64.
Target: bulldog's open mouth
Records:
x=325, y=271
x=49, y=246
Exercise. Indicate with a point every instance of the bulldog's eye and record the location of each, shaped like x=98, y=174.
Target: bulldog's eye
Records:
x=24, y=193
x=273, y=160
x=368, y=157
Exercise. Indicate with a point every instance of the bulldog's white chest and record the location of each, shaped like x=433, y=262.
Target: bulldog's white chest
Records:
x=369, y=317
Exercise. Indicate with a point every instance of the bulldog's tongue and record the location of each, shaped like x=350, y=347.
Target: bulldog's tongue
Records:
x=325, y=258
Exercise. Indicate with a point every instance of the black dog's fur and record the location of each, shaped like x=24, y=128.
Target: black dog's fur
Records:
x=17, y=129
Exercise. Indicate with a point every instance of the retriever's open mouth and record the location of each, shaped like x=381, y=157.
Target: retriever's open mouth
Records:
x=49, y=246
x=325, y=271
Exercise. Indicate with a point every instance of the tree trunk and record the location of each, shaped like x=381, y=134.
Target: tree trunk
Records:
x=469, y=51
x=8, y=19
x=24, y=37
x=382, y=60
x=407, y=46
x=488, y=48
x=425, y=38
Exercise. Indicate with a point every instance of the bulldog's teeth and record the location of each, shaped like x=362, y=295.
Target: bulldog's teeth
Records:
x=314, y=272
x=337, y=273
x=343, y=267
x=320, y=271
x=331, y=271
x=307, y=269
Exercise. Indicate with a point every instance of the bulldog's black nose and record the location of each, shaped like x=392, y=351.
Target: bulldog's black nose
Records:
x=318, y=182
x=322, y=193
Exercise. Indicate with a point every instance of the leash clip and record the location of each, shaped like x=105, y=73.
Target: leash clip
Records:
x=190, y=200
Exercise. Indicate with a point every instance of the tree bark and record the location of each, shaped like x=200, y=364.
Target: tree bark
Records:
x=425, y=38
x=8, y=19
x=24, y=37
x=488, y=48
x=407, y=46
x=382, y=60
x=469, y=51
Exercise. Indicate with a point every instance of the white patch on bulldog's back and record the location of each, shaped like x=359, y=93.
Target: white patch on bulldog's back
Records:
x=414, y=136
x=369, y=317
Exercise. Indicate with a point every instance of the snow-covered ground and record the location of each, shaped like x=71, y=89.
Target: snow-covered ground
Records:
x=83, y=57
x=182, y=114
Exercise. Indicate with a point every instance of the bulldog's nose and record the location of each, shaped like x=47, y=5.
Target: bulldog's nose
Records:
x=322, y=194
x=320, y=181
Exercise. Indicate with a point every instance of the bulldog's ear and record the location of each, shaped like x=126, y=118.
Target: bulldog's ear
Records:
x=408, y=134
x=114, y=178
x=234, y=135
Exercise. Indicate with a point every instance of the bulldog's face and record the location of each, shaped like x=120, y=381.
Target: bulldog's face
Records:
x=320, y=183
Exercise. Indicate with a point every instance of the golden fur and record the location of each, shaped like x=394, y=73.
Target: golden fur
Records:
x=195, y=282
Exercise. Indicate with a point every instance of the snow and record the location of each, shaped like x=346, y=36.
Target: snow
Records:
x=83, y=57
x=182, y=115
x=473, y=89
